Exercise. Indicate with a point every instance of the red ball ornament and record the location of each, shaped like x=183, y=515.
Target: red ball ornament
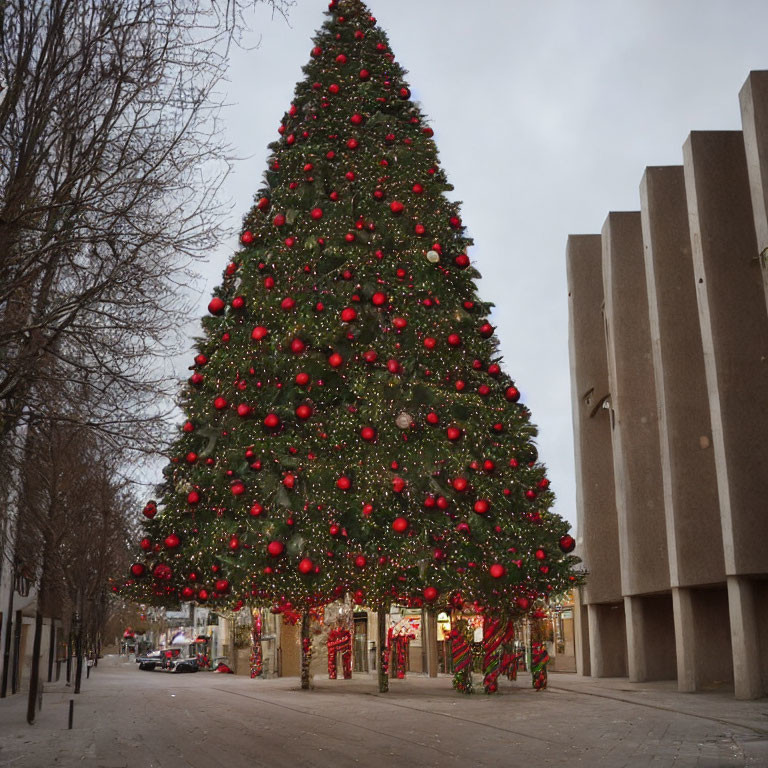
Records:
x=523, y=603
x=461, y=261
x=378, y=299
x=396, y=206
x=430, y=594
x=247, y=237
x=287, y=304
x=370, y=356
x=238, y=489
x=187, y=593
x=259, y=333
x=146, y=544
x=221, y=585
x=172, y=541
x=393, y=366
x=460, y=484
x=275, y=548
x=317, y=51
x=306, y=566
x=454, y=340
x=316, y=213
x=356, y=119
x=486, y=330
x=368, y=434
x=567, y=543
x=497, y=571
x=303, y=412
x=202, y=595
x=344, y=483
x=398, y=485
x=335, y=360
x=512, y=394
x=302, y=379
x=298, y=346
x=540, y=554
x=263, y=204
x=193, y=497
x=256, y=510
x=404, y=93
x=365, y=74
x=482, y=506
x=420, y=229
x=243, y=410
x=289, y=481
x=216, y=306
x=137, y=570
x=348, y=315
x=361, y=561
x=430, y=343
x=272, y=421
x=279, y=220
x=433, y=418
x=399, y=525
x=400, y=323
x=220, y=403
x=453, y=433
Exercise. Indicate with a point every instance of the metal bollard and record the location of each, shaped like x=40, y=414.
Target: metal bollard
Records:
x=71, y=712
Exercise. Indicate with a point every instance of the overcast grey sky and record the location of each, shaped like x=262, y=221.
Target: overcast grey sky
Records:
x=545, y=115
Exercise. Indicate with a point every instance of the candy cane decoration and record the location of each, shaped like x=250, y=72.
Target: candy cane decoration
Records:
x=495, y=633
x=539, y=661
x=462, y=659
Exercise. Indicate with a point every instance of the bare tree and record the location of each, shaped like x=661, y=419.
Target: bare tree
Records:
x=110, y=167
x=111, y=162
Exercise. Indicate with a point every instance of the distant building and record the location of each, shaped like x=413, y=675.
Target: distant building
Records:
x=669, y=371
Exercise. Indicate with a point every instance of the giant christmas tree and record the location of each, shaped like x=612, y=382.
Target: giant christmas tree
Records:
x=349, y=428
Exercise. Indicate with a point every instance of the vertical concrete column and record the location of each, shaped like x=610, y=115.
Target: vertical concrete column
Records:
x=581, y=632
x=734, y=328
x=691, y=505
x=754, y=120
x=685, y=641
x=597, y=524
x=637, y=467
x=747, y=663
x=637, y=658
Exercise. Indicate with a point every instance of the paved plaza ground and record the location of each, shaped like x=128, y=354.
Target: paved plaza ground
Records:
x=125, y=718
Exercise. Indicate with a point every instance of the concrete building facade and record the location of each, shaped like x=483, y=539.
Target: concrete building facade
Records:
x=668, y=311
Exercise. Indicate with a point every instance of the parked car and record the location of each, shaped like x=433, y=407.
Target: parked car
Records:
x=169, y=660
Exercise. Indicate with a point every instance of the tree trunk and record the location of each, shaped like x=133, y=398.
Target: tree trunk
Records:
x=16, y=666
x=7, y=649
x=79, y=654
x=383, y=666
x=306, y=650
x=69, y=657
x=51, y=650
x=34, y=674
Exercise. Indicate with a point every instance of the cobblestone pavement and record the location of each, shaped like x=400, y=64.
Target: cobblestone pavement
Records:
x=128, y=718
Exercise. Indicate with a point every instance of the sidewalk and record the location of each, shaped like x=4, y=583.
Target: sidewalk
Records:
x=125, y=718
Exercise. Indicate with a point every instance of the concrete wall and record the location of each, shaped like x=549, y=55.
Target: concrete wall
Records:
x=637, y=468
x=734, y=327
x=689, y=481
x=598, y=531
x=685, y=286
x=754, y=119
